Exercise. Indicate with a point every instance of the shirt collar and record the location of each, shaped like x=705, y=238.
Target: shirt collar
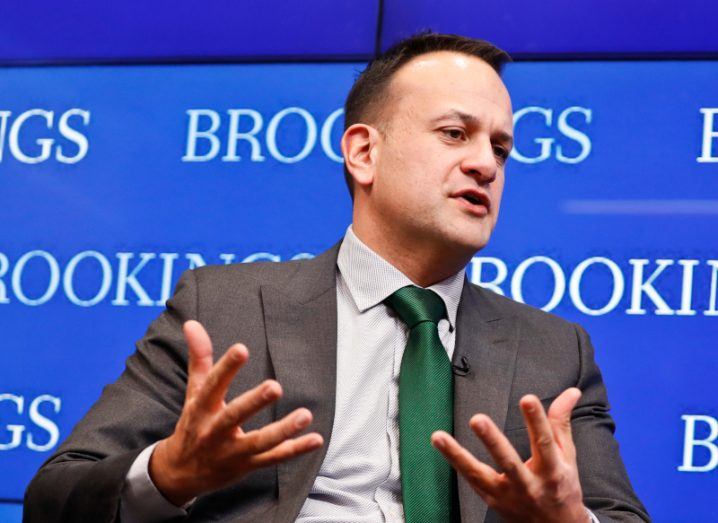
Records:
x=371, y=279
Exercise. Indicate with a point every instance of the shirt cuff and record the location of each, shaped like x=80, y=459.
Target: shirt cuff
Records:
x=591, y=515
x=140, y=501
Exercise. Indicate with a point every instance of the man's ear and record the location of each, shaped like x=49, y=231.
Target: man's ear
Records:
x=360, y=150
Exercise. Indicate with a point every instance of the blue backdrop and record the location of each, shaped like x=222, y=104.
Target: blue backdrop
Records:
x=179, y=30
x=116, y=179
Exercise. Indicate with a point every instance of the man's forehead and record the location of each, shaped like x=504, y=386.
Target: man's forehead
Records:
x=451, y=77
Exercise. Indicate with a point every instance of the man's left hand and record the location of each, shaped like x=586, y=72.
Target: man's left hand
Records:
x=546, y=487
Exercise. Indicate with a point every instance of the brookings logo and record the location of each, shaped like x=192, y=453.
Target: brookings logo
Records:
x=24, y=431
x=709, y=136
x=205, y=140
x=703, y=443
x=637, y=286
x=213, y=135
x=39, y=135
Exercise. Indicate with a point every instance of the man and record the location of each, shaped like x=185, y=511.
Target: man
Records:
x=381, y=340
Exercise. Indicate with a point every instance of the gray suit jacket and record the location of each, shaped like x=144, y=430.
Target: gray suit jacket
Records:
x=286, y=314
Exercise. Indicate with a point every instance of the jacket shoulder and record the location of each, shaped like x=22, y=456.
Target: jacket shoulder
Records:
x=251, y=274
x=532, y=319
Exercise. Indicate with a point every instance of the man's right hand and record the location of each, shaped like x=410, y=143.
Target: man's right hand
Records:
x=208, y=449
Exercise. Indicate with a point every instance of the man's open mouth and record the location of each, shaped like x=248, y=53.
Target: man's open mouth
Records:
x=471, y=199
x=475, y=198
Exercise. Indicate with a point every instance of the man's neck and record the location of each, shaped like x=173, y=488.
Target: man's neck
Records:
x=423, y=262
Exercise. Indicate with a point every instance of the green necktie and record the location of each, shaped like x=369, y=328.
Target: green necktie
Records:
x=426, y=404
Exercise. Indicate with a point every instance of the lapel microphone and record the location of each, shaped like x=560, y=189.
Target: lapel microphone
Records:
x=461, y=369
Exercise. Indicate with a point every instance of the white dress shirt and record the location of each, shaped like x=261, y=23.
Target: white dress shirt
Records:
x=359, y=479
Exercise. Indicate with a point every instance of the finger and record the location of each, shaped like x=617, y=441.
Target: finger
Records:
x=247, y=404
x=269, y=436
x=288, y=449
x=215, y=386
x=199, y=349
x=559, y=415
x=500, y=448
x=543, y=444
x=481, y=476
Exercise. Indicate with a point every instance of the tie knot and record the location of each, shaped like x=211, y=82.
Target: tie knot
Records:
x=415, y=305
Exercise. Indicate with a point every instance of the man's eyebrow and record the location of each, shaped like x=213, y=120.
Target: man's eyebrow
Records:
x=470, y=119
x=505, y=137
x=457, y=115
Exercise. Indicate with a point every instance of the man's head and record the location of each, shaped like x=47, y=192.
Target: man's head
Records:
x=428, y=129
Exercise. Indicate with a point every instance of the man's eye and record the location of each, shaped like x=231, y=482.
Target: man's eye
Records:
x=454, y=134
x=501, y=153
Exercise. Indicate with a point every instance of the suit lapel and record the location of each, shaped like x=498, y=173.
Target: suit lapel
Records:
x=301, y=323
x=488, y=341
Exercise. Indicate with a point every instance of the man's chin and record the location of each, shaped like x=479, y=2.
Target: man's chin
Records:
x=476, y=246
x=469, y=242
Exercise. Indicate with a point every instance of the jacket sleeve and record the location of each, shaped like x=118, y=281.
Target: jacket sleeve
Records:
x=83, y=480
x=607, y=491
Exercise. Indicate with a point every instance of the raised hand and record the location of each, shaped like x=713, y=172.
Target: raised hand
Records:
x=546, y=487
x=208, y=449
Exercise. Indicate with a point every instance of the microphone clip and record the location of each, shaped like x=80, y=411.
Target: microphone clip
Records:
x=461, y=369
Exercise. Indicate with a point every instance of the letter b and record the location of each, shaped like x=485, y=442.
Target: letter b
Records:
x=690, y=442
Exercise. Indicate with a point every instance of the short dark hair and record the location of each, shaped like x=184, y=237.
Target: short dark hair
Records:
x=369, y=90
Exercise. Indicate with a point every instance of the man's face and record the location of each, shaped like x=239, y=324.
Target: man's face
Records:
x=440, y=169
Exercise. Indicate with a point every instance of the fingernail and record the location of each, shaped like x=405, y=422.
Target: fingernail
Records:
x=268, y=391
x=480, y=425
x=302, y=419
x=439, y=443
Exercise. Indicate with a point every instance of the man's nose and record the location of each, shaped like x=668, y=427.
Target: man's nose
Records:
x=480, y=162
